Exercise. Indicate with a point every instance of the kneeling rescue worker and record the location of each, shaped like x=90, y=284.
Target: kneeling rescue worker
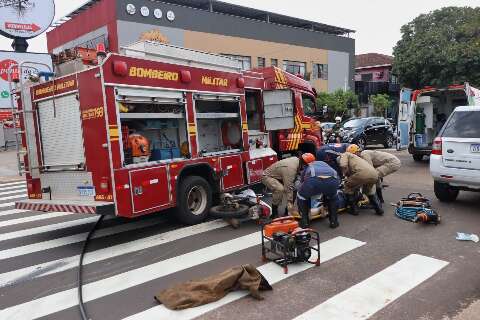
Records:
x=384, y=162
x=318, y=178
x=280, y=178
x=359, y=174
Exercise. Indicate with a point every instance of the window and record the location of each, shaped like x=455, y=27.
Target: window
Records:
x=367, y=77
x=463, y=124
x=308, y=104
x=393, y=79
x=295, y=68
x=261, y=62
x=274, y=62
x=320, y=71
x=379, y=122
x=245, y=62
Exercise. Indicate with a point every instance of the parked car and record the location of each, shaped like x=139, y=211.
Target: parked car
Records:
x=368, y=131
x=455, y=158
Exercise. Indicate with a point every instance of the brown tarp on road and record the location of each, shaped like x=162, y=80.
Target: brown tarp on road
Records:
x=199, y=292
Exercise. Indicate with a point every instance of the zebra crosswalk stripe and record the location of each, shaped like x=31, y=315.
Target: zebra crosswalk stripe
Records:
x=7, y=204
x=12, y=211
x=15, y=183
x=51, y=267
x=21, y=187
x=22, y=191
x=17, y=197
x=272, y=272
x=373, y=294
x=65, y=299
x=38, y=217
x=47, y=228
x=55, y=243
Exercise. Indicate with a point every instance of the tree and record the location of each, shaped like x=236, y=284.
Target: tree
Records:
x=380, y=103
x=338, y=102
x=440, y=48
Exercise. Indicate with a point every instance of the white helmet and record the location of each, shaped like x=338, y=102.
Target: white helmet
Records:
x=339, y=119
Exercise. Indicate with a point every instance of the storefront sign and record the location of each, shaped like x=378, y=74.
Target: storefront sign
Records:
x=7, y=59
x=25, y=18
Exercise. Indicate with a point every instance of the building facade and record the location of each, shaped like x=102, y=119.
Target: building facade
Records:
x=322, y=54
x=373, y=75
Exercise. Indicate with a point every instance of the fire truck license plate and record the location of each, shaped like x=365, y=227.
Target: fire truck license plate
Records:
x=86, y=191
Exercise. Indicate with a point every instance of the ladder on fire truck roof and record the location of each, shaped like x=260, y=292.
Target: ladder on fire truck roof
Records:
x=16, y=114
x=181, y=56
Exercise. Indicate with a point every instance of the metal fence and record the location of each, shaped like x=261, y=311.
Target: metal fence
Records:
x=7, y=137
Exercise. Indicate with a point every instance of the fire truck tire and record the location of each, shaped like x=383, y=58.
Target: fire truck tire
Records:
x=194, y=200
x=222, y=212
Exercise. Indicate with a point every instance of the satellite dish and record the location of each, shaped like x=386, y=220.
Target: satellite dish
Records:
x=25, y=19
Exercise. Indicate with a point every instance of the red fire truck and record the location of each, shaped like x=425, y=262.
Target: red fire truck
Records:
x=157, y=127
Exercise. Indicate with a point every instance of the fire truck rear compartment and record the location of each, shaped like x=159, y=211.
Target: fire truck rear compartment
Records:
x=63, y=175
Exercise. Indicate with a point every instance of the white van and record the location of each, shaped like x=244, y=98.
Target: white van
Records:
x=422, y=114
x=455, y=159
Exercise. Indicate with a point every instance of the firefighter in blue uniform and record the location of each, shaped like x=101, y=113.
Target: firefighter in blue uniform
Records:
x=318, y=178
x=329, y=153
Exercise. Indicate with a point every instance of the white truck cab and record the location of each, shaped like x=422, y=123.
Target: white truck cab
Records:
x=455, y=158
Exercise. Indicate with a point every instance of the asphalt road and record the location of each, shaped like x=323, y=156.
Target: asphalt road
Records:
x=372, y=267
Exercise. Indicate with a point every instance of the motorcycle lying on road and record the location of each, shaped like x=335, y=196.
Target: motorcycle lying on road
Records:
x=243, y=206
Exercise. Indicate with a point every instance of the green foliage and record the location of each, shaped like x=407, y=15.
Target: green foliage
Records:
x=440, y=48
x=338, y=102
x=380, y=103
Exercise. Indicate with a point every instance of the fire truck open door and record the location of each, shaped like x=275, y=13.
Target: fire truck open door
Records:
x=278, y=109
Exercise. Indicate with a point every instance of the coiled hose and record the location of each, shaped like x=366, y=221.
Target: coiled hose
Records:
x=417, y=214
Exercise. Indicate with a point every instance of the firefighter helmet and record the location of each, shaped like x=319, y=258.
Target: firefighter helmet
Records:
x=353, y=148
x=308, y=158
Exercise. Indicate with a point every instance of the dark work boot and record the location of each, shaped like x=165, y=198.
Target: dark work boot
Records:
x=274, y=212
x=304, y=210
x=380, y=195
x=305, y=222
x=332, y=213
x=376, y=204
x=352, y=203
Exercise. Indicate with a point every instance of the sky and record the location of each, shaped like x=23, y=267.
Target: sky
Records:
x=377, y=22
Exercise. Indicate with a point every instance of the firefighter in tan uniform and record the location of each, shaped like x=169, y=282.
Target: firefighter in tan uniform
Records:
x=280, y=179
x=359, y=174
x=384, y=162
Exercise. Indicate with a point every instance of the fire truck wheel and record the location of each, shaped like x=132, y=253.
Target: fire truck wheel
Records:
x=222, y=211
x=194, y=200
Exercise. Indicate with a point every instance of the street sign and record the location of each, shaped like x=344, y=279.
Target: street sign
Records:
x=25, y=18
x=7, y=59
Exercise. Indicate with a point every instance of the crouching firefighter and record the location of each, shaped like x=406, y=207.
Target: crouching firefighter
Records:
x=384, y=162
x=280, y=178
x=318, y=178
x=359, y=174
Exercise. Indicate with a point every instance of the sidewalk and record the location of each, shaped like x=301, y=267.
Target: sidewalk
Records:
x=8, y=166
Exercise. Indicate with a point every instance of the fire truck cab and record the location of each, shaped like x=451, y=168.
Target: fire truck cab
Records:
x=157, y=127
